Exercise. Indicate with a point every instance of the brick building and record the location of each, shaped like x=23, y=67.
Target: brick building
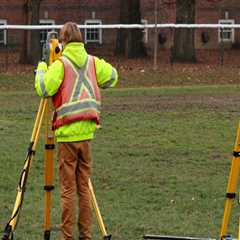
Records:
x=207, y=12
x=107, y=12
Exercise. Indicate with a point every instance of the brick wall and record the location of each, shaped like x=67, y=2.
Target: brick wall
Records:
x=166, y=14
x=206, y=12
x=78, y=11
x=13, y=12
x=108, y=12
x=212, y=12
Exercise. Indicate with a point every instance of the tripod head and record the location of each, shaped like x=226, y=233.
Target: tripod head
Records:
x=52, y=49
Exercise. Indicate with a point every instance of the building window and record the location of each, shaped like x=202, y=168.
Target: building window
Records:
x=43, y=33
x=93, y=35
x=226, y=34
x=3, y=33
x=145, y=31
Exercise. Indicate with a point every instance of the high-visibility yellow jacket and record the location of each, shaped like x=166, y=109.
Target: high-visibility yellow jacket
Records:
x=49, y=79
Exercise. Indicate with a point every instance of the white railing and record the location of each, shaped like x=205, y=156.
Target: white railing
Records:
x=127, y=26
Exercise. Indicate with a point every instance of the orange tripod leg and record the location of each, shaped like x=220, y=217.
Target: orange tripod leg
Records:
x=49, y=172
x=54, y=53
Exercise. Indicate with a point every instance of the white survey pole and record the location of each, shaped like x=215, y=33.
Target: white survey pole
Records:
x=155, y=35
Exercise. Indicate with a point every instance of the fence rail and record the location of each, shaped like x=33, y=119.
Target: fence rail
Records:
x=123, y=26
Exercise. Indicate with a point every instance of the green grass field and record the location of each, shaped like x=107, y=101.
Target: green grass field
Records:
x=161, y=159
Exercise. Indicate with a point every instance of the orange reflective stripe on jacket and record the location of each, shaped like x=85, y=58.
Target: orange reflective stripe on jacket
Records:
x=78, y=97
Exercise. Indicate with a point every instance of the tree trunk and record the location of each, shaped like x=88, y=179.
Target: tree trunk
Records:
x=23, y=51
x=184, y=47
x=130, y=41
x=121, y=44
x=33, y=38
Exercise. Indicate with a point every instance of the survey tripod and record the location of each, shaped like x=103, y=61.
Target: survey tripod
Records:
x=230, y=197
x=53, y=51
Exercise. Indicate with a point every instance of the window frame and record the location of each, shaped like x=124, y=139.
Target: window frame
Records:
x=145, y=31
x=224, y=30
x=4, y=41
x=46, y=22
x=93, y=22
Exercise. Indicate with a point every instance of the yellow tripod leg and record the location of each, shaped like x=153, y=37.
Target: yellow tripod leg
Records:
x=239, y=228
x=97, y=211
x=232, y=185
x=49, y=172
x=11, y=225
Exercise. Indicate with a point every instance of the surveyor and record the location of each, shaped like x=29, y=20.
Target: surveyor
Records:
x=73, y=82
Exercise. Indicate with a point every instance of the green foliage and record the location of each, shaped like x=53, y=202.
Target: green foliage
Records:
x=161, y=161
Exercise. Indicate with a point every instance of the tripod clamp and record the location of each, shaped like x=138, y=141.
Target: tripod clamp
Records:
x=7, y=233
x=107, y=237
x=236, y=154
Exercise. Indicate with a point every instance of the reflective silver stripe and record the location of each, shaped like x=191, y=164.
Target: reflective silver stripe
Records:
x=41, y=82
x=75, y=69
x=77, y=87
x=78, y=107
x=82, y=80
x=110, y=81
x=87, y=84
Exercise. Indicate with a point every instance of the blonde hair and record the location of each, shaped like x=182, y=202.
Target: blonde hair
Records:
x=70, y=33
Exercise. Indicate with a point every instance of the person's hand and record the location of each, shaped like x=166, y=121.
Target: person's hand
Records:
x=42, y=66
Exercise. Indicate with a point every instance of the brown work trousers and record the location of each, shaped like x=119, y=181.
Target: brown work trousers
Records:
x=74, y=173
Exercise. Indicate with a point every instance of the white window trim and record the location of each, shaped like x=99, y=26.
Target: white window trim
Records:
x=4, y=22
x=145, y=31
x=47, y=22
x=224, y=21
x=98, y=22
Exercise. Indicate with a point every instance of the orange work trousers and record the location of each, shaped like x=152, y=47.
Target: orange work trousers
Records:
x=74, y=160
